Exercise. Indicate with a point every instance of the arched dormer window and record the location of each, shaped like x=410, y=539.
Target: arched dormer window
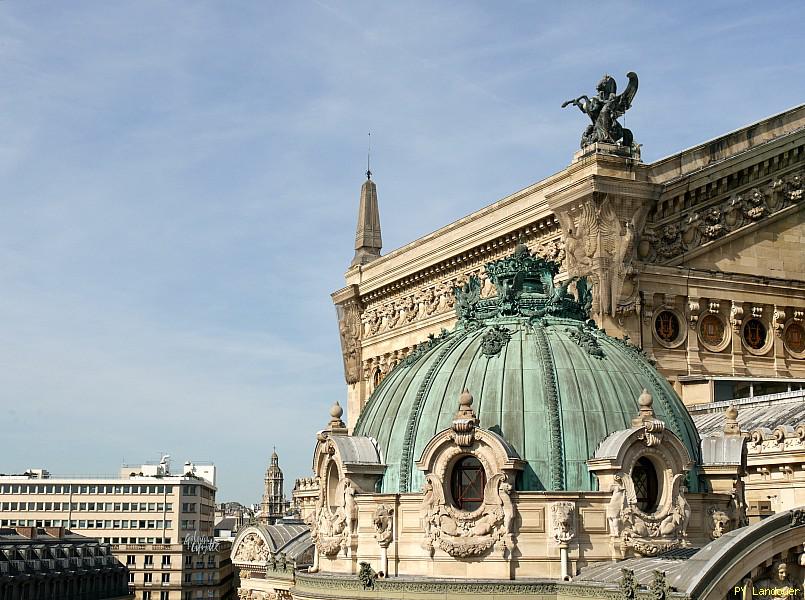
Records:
x=646, y=484
x=467, y=483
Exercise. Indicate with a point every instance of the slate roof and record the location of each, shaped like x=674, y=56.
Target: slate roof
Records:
x=45, y=554
x=753, y=414
x=227, y=524
x=292, y=539
x=670, y=563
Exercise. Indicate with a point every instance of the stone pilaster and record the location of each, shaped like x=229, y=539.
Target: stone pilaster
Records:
x=602, y=213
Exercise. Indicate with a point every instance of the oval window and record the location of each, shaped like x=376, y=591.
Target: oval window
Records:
x=646, y=485
x=467, y=483
x=712, y=330
x=795, y=338
x=666, y=326
x=755, y=334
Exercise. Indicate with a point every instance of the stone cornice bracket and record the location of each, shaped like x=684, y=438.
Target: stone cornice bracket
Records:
x=465, y=421
x=778, y=320
x=693, y=313
x=736, y=316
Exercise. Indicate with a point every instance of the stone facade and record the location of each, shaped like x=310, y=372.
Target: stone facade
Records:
x=696, y=257
x=692, y=263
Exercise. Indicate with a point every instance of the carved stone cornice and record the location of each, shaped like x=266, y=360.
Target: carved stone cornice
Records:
x=694, y=212
x=581, y=190
x=433, y=301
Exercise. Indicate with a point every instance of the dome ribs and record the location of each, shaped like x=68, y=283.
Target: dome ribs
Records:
x=556, y=443
x=406, y=462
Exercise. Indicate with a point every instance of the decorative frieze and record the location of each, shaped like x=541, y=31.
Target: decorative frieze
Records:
x=436, y=298
x=665, y=241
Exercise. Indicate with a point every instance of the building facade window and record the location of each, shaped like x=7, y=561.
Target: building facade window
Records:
x=794, y=338
x=130, y=559
x=755, y=334
x=712, y=333
x=467, y=483
x=667, y=327
x=644, y=478
x=148, y=577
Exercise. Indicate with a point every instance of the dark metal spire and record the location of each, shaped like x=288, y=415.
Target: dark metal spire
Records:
x=368, y=155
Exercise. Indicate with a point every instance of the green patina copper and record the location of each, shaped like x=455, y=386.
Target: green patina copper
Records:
x=542, y=375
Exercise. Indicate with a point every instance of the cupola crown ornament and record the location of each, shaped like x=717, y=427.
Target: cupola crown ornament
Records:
x=465, y=421
x=525, y=288
x=654, y=427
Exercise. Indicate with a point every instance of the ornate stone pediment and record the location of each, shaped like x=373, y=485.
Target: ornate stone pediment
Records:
x=644, y=468
x=251, y=547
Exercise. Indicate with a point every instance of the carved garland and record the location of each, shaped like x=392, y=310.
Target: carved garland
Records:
x=665, y=242
x=438, y=298
x=468, y=533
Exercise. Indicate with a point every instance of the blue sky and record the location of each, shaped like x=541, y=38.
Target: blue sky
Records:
x=179, y=183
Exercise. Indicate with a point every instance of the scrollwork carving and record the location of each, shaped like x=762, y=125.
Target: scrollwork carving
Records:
x=691, y=229
x=647, y=534
x=464, y=534
x=332, y=530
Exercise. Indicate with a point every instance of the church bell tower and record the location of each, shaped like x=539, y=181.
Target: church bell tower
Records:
x=272, y=507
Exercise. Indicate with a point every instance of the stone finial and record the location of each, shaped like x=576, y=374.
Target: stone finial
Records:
x=465, y=407
x=465, y=421
x=646, y=404
x=731, y=426
x=336, y=424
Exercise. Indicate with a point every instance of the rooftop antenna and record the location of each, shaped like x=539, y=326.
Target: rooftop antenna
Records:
x=368, y=155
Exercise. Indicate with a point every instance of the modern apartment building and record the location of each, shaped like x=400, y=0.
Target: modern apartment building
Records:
x=160, y=524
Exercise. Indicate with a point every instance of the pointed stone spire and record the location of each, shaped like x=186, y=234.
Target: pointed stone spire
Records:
x=367, y=236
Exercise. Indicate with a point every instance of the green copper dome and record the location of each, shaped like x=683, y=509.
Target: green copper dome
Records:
x=542, y=376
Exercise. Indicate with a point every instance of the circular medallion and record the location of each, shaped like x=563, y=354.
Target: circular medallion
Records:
x=668, y=329
x=756, y=336
x=713, y=333
x=794, y=339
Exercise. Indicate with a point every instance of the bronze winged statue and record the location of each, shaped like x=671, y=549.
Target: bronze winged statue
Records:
x=604, y=110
